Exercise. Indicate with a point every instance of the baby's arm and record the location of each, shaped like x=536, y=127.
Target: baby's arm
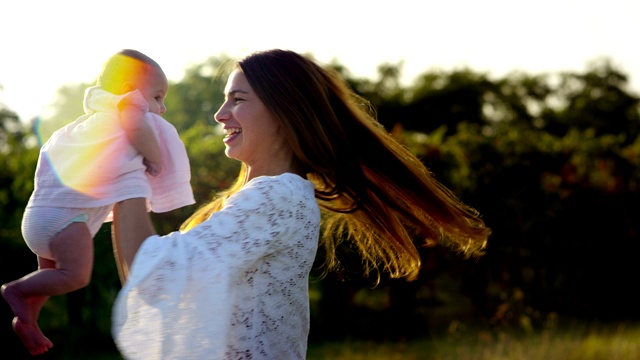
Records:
x=142, y=137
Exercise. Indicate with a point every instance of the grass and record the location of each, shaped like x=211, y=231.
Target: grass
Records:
x=578, y=342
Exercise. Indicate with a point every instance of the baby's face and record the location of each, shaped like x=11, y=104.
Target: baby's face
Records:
x=154, y=91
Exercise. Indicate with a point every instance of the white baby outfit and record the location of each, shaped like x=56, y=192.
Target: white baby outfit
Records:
x=88, y=165
x=233, y=287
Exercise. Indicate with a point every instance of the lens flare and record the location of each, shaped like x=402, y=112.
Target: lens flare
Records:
x=84, y=154
x=88, y=154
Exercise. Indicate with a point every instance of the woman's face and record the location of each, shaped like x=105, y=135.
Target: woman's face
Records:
x=252, y=133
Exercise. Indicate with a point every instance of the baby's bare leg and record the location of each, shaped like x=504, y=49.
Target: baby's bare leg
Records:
x=73, y=250
x=26, y=326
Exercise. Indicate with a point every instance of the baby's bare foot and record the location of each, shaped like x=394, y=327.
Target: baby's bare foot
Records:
x=31, y=336
x=24, y=323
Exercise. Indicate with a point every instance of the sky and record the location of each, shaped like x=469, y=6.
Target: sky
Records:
x=45, y=44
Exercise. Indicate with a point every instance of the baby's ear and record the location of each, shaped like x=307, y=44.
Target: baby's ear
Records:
x=126, y=87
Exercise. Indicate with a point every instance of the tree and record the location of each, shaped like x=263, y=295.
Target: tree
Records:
x=199, y=94
x=448, y=99
x=18, y=156
x=66, y=108
x=598, y=99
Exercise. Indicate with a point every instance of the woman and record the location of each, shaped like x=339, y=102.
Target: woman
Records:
x=233, y=282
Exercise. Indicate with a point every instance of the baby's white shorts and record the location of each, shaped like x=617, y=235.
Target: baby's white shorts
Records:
x=41, y=224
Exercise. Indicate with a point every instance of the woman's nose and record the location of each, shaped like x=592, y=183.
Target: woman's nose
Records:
x=222, y=114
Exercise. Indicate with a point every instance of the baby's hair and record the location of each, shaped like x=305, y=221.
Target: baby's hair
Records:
x=126, y=66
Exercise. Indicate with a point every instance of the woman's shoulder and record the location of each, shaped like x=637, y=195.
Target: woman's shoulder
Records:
x=282, y=190
x=284, y=182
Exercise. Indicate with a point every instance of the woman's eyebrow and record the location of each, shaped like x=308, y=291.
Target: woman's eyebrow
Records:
x=233, y=92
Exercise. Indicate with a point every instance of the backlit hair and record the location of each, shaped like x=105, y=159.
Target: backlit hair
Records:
x=377, y=197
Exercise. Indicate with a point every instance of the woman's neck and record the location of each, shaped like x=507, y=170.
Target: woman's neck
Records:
x=274, y=169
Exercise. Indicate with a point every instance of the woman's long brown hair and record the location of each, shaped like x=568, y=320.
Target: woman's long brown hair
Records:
x=376, y=196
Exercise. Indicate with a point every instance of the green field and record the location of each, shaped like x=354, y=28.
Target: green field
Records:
x=578, y=342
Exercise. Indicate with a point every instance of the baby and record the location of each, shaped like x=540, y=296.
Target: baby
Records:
x=107, y=155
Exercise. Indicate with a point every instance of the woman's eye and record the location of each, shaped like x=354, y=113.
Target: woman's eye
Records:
x=237, y=100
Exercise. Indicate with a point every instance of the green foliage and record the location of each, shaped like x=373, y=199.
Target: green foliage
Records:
x=552, y=163
x=68, y=107
x=559, y=191
x=211, y=169
x=16, y=174
x=196, y=98
x=598, y=99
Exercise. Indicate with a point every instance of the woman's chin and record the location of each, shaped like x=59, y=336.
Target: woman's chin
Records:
x=231, y=154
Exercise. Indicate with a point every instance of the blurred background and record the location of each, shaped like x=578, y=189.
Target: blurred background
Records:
x=548, y=153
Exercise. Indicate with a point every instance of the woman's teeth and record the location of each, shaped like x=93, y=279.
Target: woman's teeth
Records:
x=232, y=131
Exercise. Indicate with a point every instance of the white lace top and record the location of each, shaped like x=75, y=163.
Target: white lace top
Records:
x=233, y=287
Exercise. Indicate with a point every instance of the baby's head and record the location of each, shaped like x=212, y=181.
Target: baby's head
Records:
x=128, y=70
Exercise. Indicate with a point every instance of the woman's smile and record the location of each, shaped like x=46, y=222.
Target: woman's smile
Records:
x=231, y=133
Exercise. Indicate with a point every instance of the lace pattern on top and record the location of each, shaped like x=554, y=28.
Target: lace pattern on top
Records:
x=233, y=287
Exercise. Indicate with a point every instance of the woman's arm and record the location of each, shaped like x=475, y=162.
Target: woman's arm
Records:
x=131, y=226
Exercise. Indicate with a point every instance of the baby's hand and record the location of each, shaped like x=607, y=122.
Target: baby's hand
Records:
x=153, y=168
